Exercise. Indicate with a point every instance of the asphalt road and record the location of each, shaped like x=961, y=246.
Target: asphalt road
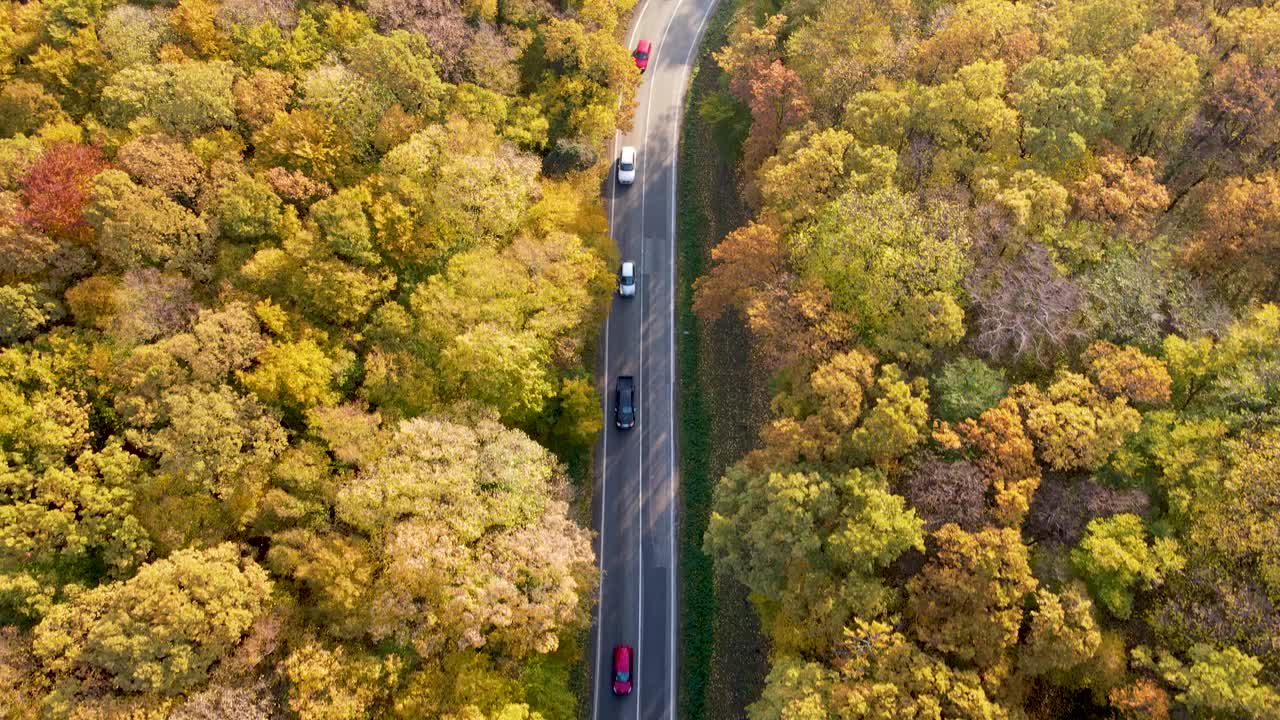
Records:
x=634, y=503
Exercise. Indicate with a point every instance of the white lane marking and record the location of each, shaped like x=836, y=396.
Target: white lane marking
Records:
x=604, y=450
x=671, y=389
x=640, y=293
x=604, y=511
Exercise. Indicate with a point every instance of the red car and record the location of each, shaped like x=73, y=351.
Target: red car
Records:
x=623, y=657
x=642, y=54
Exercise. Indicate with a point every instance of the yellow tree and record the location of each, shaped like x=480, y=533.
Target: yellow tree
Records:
x=507, y=573
x=969, y=599
x=1074, y=425
x=1127, y=371
x=161, y=630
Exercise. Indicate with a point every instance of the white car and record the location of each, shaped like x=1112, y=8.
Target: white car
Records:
x=627, y=166
x=627, y=280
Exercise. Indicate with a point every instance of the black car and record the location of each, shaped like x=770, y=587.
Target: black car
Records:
x=624, y=403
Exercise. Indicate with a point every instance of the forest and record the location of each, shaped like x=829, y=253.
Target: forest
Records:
x=297, y=312
x=1014, y=271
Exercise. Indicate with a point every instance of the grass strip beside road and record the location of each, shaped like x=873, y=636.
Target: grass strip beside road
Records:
x=701, y=168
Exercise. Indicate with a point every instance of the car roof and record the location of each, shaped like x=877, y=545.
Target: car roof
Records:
x=625, y=381
x=628, y=153
x=643, y=46
x=628, y=268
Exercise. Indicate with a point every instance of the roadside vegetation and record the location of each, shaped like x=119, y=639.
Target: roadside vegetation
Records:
x=297, y=301
x=720, y=407
x=1012, y=270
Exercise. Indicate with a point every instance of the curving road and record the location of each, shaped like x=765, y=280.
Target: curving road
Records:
x=635, y=495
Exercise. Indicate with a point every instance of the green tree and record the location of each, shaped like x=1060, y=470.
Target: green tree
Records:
x=25, y=107
x=246, y=208
x=1183, y=457
x=219, y=440
x=68, y=525
x=1229, y=379
x=183, y=98
x=77, y=68
x=131, y=35
x=462, y=184
x=806, y=541
x=337, y=683
x=1113, y=556
x=220, y=342
x=969, y=118
x=512, y=711
x=879, y=674
x=977, y=30
x=335, y=572
x=344, y=225
x=794, y=689
x=1103, y=28
x=1063, y=632
x=25, y=311
x=493, y=323
x=577, y=420
x=875, y=252
x=815, y=420
x=590, y=71
x=966, y=386
x=140, y=226
x=805, y=175
x=1154, y=89
x=1216, y=683
x=837, y=47
x=1241, y=517
x=403, y=64
x=305, y=141
x=353, y=103
x=1061, y=101
x=929, y=323
x=895, y=424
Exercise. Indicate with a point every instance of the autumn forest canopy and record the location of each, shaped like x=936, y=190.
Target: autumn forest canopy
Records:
x=297, y=303
x=1014, y=270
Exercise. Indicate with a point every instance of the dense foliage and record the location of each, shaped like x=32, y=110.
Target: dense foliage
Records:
x=1014, y=268
x=296, y=305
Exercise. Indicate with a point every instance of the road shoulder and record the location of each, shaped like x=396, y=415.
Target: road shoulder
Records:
x=724, y=658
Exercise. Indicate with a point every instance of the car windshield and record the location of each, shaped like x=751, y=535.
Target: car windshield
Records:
x=628, y=280
x=642, y=55
x=622, y=676
x=628, y=166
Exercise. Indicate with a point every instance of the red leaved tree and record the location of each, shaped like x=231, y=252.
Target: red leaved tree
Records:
x=56, y=186
x=778, y=104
